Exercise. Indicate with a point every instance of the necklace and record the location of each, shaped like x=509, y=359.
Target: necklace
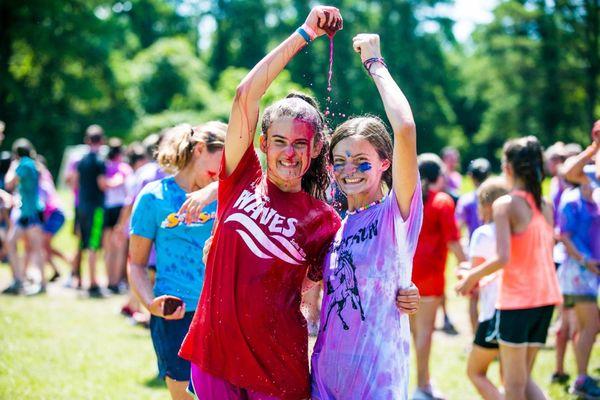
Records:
x=363, y=208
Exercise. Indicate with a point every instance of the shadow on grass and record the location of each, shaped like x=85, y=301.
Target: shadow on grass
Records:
x=155, y=383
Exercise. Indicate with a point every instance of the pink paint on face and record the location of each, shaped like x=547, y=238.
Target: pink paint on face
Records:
x=206, y=167
x=289, y=149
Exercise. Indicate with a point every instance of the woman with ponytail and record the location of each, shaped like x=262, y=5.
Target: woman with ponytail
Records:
x=529, y=287
x=192, y=154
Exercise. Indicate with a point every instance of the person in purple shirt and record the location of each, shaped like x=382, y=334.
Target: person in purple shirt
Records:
x=554, y=157
x=579, y=274
x=362, y=350
x=466, y=208
x=453, y=178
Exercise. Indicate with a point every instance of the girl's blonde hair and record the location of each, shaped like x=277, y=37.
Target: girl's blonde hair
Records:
x=176, y=148
x=491, y=189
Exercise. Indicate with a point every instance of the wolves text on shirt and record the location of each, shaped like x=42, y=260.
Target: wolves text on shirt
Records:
x=365, y=233
x=254, y=213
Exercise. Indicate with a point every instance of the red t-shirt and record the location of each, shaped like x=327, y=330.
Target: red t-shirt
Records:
x=248, y=328
x=439, y=228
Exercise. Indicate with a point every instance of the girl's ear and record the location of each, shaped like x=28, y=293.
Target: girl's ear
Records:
x=199, y=148
x=385, y=165
x=262, y=139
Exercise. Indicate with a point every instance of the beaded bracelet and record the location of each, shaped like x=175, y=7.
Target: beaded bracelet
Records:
x=370, y=61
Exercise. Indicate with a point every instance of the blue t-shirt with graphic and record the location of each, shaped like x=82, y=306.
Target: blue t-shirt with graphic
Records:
x=179, y=266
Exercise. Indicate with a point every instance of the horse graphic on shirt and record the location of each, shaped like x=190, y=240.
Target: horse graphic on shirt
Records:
x=346, y=289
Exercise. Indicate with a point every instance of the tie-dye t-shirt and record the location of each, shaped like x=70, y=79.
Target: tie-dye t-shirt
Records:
x=362, y=351
x=580, y=219
x=179, y=246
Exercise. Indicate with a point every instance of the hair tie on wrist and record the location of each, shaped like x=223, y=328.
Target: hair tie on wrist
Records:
x=370, y=61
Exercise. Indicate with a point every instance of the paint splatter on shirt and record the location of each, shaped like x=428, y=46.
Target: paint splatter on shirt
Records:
x=362, y=351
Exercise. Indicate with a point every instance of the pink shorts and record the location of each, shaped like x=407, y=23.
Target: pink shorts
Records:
x=204, y=386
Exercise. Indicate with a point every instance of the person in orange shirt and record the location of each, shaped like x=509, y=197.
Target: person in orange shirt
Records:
x=529, y=286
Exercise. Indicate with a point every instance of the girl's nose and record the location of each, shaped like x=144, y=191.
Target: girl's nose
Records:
x=349, y=168
x=289, y=151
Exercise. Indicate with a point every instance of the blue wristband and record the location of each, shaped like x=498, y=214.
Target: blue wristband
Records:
x=304, y=35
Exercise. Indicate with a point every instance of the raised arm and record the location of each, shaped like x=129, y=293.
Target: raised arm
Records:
x=244, y=111
x=397, y=109
x=572, y=169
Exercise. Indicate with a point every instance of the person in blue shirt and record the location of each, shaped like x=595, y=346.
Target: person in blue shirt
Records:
x=193, y=154
x=24, y=176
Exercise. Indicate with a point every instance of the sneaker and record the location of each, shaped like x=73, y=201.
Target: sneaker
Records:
x=126, y=311
x=54, y=277
x=427, y=394
x=114, y=289
x=95, y=291
x=35, y=290
x=560, y=377
x=15, y=288
x=73, y=282
x=141, y=319
x=448, y=327
x=586, y=388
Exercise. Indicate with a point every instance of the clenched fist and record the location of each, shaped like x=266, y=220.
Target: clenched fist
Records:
x=367, y=44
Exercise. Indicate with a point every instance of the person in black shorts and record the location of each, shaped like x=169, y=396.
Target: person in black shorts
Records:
x=92, y=183
x=481, y=247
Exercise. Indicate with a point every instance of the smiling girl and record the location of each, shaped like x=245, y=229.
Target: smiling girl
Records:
x=363, y=345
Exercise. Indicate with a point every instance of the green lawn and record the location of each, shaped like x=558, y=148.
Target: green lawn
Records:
x=66, y=346
x=63, y=345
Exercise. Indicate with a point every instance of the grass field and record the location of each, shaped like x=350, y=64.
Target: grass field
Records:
x=63, y=345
